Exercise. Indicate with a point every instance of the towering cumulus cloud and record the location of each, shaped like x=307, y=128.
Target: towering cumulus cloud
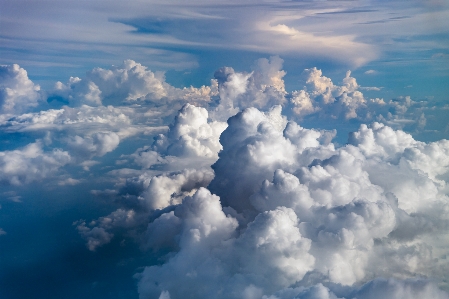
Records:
x=288, y=215
x=228, y=191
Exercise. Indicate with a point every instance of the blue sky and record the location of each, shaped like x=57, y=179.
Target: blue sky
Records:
x=224, y=149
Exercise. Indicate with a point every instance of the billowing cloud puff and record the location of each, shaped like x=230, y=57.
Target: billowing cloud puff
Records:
x=262, y=88
x=339, y=180
x=83, y=133
x=17, y=92
x=254, y=146
x=129, y=83
x=322, y=98
x=191, y=141
x=414, y=171
x=159, y=192
x=191, y=135
x=141, y=196
x=96, y=145
x=320, y=93
x=213, y=263
x=95, y=237
x=30, y=163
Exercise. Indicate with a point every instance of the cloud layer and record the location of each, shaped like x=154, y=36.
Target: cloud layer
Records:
x=230, y=193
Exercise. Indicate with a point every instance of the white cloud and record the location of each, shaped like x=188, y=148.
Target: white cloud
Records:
x=96, y=145
x=17, y=92
x=286, y=39
x=302, y=103
x=145, y=194
x=286, y=213
x=260, y=207
x=308, y=213
x=228, y=93
x=321, y=95
x=191, y=141
x=370, y=88
x=127, y=84
x=30, y=163
x=321, y=98
x=230, y=265
x=169, y=189
x=191, y=135
x=415, y=172
x=370, y=72
x=262, y=88
x=253, y=148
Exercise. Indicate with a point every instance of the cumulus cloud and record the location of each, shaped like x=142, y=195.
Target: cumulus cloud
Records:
x=81, y=133
x=286, y=213
x=141, y=196
x=191, y=141
x=254, y=146
x=258, y=206
x=191, y=135
x=190, y=146
x=30, y=163
x=96, y=145
x=321, y=98
x=321, y=95
x=95, y=237
x=229, y=92
x=159, y=192
x=17, y=92
x=306, y=213
x=414, y=168
x=262, y=88
x=85, y=132
x=230, y=266
x=127, y=84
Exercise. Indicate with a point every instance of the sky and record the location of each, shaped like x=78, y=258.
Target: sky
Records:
x=224, y=149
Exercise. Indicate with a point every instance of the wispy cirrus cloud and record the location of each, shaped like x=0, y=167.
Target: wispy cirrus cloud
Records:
x=171, y=34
